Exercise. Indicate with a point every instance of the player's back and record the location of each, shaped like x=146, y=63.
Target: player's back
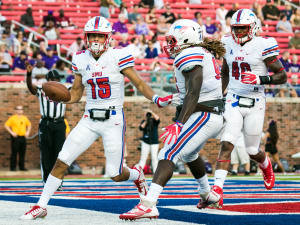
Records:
x=102, y=78
x=211, y=85
x=248, y=57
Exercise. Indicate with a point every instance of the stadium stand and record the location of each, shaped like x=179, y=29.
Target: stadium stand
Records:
x=79, y=11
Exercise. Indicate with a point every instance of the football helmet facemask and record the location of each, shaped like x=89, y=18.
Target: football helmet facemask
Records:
x=182, y=33
x=243, y=25
x=98, y=25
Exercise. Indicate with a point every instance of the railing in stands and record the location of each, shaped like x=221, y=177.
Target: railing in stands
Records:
x=34, y=33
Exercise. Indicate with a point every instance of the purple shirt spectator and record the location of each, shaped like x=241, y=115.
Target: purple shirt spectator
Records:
x=122, y=44
x=211, y=29
x=286, y=64
x=49, y=58
x=120, y=27
x=150, y=54
x=19, y=62
x=141, y=29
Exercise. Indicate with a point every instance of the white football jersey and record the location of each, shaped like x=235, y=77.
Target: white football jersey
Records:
x=102, y=78
x=211, y=86
x=248, y=57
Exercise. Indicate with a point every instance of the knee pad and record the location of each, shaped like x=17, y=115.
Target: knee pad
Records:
x=189, y=158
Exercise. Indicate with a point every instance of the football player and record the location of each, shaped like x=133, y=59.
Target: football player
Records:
x=199, y=84
x=244, y=72
x=101, y=70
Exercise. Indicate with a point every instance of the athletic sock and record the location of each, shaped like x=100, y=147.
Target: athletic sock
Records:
x=133, y=174
x=203, y=186
x=265, y=164
x=220, y=176
x=50, y=187
x=154, y=192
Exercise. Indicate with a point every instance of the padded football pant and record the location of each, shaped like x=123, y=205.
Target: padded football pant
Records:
x=87, y=131
x=52, y=136
x=243, y=120
x=200, y=127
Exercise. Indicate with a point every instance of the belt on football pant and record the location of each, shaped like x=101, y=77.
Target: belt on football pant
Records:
x=53, y=119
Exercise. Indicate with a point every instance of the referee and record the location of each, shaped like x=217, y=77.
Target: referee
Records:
x=52, y=127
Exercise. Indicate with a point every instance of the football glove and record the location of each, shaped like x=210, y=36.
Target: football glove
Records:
x=172, y=131
x=164, y=101
x=250, y=78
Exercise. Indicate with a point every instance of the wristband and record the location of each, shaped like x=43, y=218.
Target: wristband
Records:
x=28, y=74
x=266, y=79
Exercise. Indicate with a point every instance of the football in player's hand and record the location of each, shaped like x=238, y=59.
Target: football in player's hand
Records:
x=56, y=91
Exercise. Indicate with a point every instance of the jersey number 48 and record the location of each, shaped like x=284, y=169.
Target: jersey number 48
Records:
x=245, y=67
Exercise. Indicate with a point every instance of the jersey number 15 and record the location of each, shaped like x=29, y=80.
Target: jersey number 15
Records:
x=103, y=85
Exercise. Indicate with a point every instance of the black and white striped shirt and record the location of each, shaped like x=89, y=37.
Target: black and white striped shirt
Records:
x=49, y=108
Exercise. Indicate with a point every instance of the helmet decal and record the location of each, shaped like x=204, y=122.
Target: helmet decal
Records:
x=238, y=18
x=97, y=21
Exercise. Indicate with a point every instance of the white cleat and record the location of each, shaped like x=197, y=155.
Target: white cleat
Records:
x=212, y=199
x=139, y=212
x=141, y=183
x=35, y=212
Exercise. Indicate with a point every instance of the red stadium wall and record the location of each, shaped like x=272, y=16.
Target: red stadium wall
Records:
x=285, y=111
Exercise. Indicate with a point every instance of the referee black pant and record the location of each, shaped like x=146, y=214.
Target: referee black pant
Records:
x=18, y=145
x=52, y=135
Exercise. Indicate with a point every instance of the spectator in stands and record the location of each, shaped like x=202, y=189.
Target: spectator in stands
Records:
x=157, y=66
x=226, y=28
x=270, y=11
x=27, y=18
x=294, y=42
x=19, y=62
x=162, y=27
x=146, y=3
x=235, y=7
x=151, y=51
x=295, y=84
x=39, y=73
x=124, y=40
x=132, y=17
x=104, y=8
x=2, y=21
x=170, y=17
x=136, y=48
x=63, y=21
x=210, y=28
x=120, y=27
x=287, y=11
x=158, y=4
x=221, y=13
x=61, y=68
x=123, y=10
x=76, y=46
x=295, y=19
x=48, y=18
x=283, y=25
x=150, y=17
x=199, y=20
x=295, y=66
x=5, y=58
x=36, y=55
x=156, y=43
x=141, y=28
x=285, y=61
x=269, y=92
x=49, y=58
x=256, y=8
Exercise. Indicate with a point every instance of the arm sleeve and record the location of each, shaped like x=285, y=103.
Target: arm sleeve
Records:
x=188, y=58
x=270, y=48
x=125, y=59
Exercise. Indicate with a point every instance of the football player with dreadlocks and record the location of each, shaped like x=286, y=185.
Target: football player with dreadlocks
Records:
x=199, y=85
